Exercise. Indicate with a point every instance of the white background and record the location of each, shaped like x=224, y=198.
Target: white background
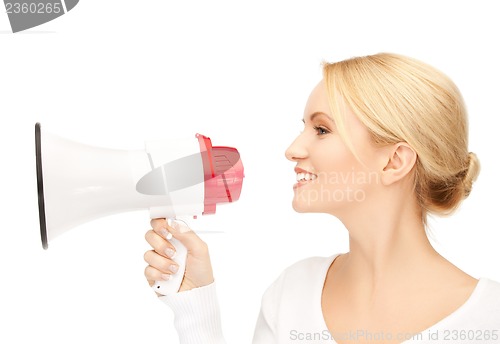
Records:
x=115, y=73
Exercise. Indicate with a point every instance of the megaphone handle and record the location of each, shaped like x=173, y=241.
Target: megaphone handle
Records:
x=173, y=284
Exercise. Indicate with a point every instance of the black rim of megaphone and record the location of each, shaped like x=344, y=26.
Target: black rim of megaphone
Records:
x=39, y=178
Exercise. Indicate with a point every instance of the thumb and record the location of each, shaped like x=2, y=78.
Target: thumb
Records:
x=198, y=271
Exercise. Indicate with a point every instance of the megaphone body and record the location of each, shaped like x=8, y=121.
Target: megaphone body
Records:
x=172, y=179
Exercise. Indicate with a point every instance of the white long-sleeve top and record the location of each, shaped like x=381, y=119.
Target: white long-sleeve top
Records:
x=291, y=313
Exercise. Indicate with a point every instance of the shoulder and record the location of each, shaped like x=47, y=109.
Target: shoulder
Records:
x=489, y=295
x=311, y=266
x=296, y=290
x=299, y=275
x=481, y=311
x=307, y=268
x=491, y=286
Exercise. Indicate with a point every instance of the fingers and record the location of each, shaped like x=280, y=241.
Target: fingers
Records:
x=158, y=222
x=160, y=267
x=160, y=244
x=161, y=227
x=152, y=275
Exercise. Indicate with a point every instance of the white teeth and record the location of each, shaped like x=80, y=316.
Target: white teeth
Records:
x=305, y=176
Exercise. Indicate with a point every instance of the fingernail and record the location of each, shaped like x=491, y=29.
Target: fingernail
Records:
x=166, y=277
x=174, y=268
x=170, y=253
x=166, y=234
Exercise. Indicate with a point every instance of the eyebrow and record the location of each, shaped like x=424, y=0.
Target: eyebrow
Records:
x=316, y=114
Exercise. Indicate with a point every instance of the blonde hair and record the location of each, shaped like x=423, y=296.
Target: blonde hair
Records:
x=400, y=99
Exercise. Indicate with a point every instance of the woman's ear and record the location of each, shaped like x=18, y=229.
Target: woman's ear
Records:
x=399, y=163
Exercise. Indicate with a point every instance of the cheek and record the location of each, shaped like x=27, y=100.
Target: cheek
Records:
x=339, y=170
x=333, y=159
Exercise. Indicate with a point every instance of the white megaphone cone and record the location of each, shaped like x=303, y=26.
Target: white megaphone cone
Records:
x=170, y=178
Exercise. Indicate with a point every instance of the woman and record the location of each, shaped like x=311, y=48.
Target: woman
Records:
x=384, y=145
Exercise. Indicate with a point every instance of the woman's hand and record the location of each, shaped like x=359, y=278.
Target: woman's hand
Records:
x=198, y=266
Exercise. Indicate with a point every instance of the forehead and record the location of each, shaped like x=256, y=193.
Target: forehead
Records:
x=317, y=101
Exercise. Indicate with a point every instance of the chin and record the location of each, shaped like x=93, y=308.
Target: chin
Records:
x=305, y=207
x=299, y=209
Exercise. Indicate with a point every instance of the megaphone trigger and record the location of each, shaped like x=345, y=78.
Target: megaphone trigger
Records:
x=179, y=225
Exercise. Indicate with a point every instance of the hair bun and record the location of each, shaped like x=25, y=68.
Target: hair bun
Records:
x=472, y=173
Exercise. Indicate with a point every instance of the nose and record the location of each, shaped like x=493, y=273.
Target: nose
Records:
x=297, y=150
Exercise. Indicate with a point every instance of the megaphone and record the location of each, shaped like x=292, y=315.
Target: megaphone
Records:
x=171, y=178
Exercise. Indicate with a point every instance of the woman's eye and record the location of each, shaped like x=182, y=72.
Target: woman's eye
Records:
x=321, y=130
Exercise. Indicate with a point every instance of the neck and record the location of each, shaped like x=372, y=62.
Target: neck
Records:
x=386, y=245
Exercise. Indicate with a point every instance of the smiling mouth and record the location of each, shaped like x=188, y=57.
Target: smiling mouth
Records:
x=305, y=177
